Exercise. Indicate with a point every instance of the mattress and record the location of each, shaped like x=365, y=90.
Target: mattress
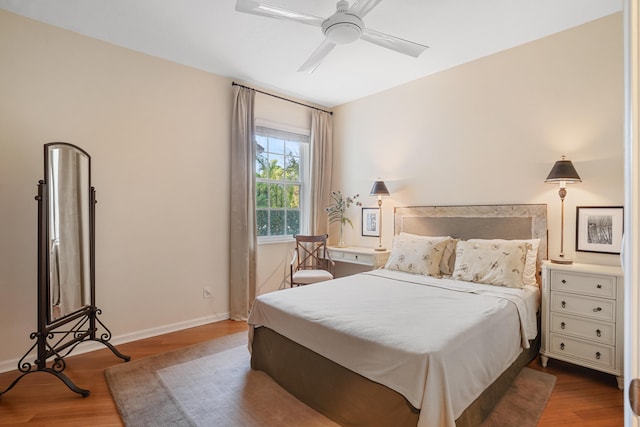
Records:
x=438, y=342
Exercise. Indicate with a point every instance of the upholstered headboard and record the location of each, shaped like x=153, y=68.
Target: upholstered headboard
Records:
x=477, y=222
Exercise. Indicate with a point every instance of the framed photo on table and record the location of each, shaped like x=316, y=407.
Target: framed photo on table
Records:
x=599, y=229
x=371, y=222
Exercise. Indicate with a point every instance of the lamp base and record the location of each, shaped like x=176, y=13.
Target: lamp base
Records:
x=561, y=260
x=380, y=249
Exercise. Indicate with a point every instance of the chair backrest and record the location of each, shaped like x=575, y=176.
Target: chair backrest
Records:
x=311, y=252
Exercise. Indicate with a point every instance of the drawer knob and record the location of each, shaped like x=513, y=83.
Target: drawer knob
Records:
x=564, y=304
x=563, y=281
x=562, y=346
x=598, y=332
x=356, y=256
x=598, y=355
x=597, y=309
x=599, y=286
x=562, y=325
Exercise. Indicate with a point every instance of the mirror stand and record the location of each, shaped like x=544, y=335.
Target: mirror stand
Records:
x=67, y=311
x=85, y=329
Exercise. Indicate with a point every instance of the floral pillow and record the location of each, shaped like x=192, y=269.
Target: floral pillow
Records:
x=492, y=262
x=417, y=254
x=530, y=265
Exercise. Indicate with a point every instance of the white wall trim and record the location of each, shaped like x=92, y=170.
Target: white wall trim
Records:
x=11, y=365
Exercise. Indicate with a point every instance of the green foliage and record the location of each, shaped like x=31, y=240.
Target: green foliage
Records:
x=278, y=190
x=336, y=211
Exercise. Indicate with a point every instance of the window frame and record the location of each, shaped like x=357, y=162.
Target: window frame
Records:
x=287, y=133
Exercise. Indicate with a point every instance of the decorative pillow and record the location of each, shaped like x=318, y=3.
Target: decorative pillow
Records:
x=448, y=258
x=492, y=262
x=417, y=254
x=530, y=266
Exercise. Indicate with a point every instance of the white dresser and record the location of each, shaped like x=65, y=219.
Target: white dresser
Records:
x=582, y=316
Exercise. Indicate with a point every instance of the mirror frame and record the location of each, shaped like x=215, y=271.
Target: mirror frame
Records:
x=45, y=263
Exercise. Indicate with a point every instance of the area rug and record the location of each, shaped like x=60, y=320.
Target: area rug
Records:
x=525, y=401
x=211, y=384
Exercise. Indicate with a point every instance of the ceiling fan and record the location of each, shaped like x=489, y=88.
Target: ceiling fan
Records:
x=343, y=27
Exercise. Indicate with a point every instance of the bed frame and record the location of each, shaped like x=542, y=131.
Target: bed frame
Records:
x=352, y=400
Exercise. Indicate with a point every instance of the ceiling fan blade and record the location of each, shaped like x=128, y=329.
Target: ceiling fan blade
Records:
x=394, y=43
x=262, y=9
x=317, y=57
x=362, y=7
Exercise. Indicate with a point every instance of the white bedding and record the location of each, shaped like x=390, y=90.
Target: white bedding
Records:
x=438, y=342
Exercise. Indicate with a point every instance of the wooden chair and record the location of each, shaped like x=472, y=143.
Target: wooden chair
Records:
x=311, y=262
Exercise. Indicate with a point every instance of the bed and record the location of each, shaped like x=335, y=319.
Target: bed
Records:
x=418, y=343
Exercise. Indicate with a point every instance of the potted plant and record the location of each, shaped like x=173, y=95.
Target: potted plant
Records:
x=336, y=211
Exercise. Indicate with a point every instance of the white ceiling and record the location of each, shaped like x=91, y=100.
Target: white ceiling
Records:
x=210, y=35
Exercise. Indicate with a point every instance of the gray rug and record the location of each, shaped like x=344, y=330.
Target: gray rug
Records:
x=211, y=384
x=248, y=398
x=525, y=401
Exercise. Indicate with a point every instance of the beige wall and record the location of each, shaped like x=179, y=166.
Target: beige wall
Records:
x=158, y=136
x=489, y=131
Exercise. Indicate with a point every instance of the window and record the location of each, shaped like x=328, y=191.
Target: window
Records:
x=281, y=167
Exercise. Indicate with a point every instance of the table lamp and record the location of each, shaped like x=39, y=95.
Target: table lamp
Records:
x=379, y=189
x=563, y=173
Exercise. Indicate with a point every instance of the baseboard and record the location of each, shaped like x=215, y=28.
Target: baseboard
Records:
x=11, y=365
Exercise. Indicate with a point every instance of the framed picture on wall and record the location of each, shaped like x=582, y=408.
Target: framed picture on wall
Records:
x=371, y=222
x=599, y=229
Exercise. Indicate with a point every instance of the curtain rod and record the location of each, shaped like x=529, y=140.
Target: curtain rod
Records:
x=279, y=97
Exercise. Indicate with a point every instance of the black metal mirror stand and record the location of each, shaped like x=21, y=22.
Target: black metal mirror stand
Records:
x=57, y=339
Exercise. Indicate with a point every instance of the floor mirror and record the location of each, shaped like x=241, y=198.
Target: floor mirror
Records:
x=67, y=314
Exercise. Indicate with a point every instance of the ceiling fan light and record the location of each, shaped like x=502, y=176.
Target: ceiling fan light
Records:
x=343, y=33
x=342, y=27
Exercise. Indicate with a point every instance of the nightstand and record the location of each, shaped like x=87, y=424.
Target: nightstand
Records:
x=582, y=316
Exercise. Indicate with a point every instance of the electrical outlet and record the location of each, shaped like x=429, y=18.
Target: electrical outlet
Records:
x=207, y=292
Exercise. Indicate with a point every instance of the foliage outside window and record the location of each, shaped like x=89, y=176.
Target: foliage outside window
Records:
x=281, y=162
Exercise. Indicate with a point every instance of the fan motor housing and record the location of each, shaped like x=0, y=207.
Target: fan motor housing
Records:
x=342, y=28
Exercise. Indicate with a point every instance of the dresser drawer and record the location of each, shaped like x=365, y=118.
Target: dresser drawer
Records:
x=595, y=308
x=336, y=255
x=357, y=255
x=594, y=285
x=602, y=332
x=599, y=354
x=353, y=257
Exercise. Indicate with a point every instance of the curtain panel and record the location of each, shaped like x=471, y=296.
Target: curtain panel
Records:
x=321, y=169
x=243, y=239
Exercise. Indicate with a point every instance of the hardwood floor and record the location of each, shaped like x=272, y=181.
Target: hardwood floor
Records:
x=581, y=397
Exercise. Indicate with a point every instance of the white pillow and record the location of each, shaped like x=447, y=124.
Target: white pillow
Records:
x=417, y=254
x=492, y=262
x=530, y=266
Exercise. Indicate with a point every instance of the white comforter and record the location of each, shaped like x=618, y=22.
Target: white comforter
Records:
x=438, y=342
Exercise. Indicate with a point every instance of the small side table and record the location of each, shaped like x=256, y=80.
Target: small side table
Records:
x=359, y=255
